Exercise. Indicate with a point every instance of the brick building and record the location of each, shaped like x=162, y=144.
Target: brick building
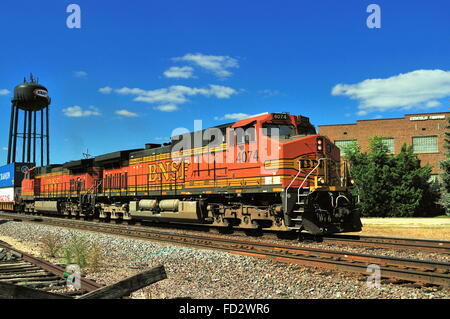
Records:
x=424, y=131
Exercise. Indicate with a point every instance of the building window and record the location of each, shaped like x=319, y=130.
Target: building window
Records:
x=425, y=144
x=344, y=143
x=389, y=142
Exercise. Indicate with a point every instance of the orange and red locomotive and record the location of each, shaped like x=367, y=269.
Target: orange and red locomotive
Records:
x=270, y=171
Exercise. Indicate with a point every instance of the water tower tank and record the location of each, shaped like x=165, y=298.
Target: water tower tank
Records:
x=31, y=96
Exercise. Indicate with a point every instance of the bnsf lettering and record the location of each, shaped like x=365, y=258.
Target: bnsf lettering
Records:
x=309, y=163
x=167, y=171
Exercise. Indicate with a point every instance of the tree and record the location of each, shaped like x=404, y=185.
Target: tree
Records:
x=370, y=171
x=412, y=194
x=445, y=166
x=389, y=185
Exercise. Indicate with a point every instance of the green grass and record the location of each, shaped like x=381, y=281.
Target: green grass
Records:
x=76, y=249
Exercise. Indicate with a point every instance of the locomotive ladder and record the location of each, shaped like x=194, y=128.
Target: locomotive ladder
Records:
x=301, y=197
x=90, y=193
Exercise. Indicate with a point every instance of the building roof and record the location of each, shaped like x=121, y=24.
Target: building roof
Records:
x=387, y=119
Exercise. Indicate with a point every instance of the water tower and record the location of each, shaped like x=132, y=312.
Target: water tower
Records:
x=30, y=102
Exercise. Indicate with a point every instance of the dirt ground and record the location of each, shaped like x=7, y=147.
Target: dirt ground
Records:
x=19, y=245
x=428, y=228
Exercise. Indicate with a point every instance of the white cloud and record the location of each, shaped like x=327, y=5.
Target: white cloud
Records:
x=269, y=93
x=184, y=72
x=169, y=98
x=4, y=92
x=433, y=104
x=232, y=116
x=77, y=111
x=161, y=138
x=105, y=90
x=128, y=91
x=216, y=64
x=221, y=92
x=167, y=108
x=417, y=89
x=126, y=113
x=362, y=113
x=80, y=74
x=237, y=116
x=173, y=94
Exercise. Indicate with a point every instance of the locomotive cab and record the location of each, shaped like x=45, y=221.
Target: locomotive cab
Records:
x=305, y=165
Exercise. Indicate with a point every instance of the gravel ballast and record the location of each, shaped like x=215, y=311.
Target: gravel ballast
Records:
x=200, y=273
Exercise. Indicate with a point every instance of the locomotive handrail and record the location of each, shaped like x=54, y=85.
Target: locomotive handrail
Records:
x=92, y=189
x=318, y=163
x=306, y=177
x=299, y=171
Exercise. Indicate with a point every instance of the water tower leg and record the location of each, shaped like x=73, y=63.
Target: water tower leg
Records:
x=11, y=126
x=34, y=137
x=16, y=120
x=30, y=115
x=42, y=137
x=24, y=137
x=48, y=137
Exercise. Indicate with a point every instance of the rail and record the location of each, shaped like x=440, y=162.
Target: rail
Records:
x=438, y=246
x=403, y=269
x=131, y=185
x=36, y=272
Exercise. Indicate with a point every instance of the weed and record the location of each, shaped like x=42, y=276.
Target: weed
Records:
x=81, y=251
x=95, y=256
x=52, y=244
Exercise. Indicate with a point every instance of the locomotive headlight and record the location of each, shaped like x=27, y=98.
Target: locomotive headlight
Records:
x=352, y=181
x=319, y=144
x=322, y=180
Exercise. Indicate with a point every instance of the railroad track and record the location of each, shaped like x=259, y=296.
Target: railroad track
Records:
x=439, y=246
x=22, y=269
x=409, y=270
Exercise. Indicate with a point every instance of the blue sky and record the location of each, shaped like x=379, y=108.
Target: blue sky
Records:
x=136, y=70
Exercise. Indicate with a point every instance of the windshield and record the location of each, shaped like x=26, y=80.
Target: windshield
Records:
x=306, y=130
x=285, y=130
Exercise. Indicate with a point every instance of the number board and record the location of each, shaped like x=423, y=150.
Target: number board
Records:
x=280, y=116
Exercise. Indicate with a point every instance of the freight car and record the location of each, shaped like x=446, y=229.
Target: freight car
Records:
x=11, y=176
x=270, y=171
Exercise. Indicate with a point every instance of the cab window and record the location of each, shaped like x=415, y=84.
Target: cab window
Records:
x=285, y=130
x=306, y=130
x=246, y=134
